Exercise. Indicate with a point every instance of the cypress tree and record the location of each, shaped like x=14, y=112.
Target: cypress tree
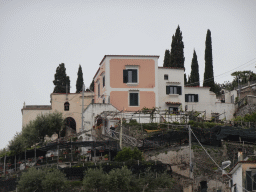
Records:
x=61, y=80
x=177, y=46
x=167, y=59
x=208, y=71
x=92, y=86
x=80, y=80
x=185, y=79
x=194, y=75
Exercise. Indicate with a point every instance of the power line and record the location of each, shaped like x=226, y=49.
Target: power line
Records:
x=206, y=80
x=215, y=161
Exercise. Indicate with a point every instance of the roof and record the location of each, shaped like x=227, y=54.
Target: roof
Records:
x=171, y=68
x=123, y=56
x=37, y=107
x=172, y=103
x=240, y=163
x=196, y=87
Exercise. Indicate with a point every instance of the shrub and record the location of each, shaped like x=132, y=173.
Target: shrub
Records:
x=95, y=180
x=119, y=179
x=128, y=154
x=42, y=180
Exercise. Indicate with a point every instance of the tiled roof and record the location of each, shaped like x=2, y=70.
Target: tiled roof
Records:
x=37, y=107
x=172, y=103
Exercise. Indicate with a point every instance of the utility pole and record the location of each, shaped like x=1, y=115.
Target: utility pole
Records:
x=121, y=130
x=66, y=92
x=83, y=108
x=190, y=156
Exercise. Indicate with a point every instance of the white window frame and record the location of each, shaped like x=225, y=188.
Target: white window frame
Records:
x=136, y=67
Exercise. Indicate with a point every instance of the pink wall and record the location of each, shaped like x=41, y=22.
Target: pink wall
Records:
x=119, y=99
x=146, y=70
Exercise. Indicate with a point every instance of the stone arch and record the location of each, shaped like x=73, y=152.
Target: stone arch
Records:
x=70, y=122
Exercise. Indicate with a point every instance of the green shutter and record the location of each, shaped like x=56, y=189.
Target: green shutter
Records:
x=179, y=91
x=167, y=90
x=186, y=97
x=196, y=97
x=134, y=99
x=125, y=76
x=249, y=180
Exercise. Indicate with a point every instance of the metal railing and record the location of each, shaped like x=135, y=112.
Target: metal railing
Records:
x=125, y=138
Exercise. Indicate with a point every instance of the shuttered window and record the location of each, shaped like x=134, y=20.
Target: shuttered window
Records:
x=130, y=76
x=103, y=81
x=249, y=180
x=191, y=97
x=134, y=99
x=173, y=90
x=98, y=90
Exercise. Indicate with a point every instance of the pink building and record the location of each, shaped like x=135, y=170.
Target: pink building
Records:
x=128, y=82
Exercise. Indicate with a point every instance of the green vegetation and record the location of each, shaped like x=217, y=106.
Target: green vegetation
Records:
x=246, y=118
x=208, y=73
x=42, y=180
x=194, y=75
x=80, y=80
x=129, y=154
x=177, y=53
x=34, y=132
x=61, y=80
x=123, y=180
x=167, y=58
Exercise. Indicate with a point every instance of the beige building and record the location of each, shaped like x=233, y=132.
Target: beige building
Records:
x=70, y=105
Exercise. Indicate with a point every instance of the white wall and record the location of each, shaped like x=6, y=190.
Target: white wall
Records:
x=175, y=78
x=207, y=102
x=92, y=111
x=237, y=179
x=228, y=95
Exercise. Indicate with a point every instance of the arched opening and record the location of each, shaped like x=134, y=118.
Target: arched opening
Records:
x=66, y=106
x=70, y=122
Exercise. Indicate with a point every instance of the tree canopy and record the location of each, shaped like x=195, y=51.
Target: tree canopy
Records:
x=177, y=55
x=208, y=71
x=80, y=80
x=194, y=75
x=61, y=80
x=167, y=59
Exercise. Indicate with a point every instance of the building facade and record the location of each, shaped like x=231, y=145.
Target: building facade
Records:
x=70, y=105
x=127, y=82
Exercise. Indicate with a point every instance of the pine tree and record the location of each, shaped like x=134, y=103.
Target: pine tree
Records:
x=167, y=59
x=177, y=46
x=61, y=80
x=208, y=71
x=80, y=80
x=194, y=75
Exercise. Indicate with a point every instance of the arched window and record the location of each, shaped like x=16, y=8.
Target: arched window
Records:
x=66, y=106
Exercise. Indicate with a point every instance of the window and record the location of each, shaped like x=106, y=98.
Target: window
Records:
x=103, y=81
x=173, y=90
x=191, y=97
x=174, y=110
x=165, y=77
x=232, y=99
x=134, y=99
x=66, y=106
x=98, y=90
x=130, y=76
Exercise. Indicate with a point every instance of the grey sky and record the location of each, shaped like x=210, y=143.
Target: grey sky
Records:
x=37, y=35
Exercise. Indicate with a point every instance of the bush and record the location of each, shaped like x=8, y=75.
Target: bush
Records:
x=129, y=154
x=42, y=180
x=119, y=179
x=94, y=180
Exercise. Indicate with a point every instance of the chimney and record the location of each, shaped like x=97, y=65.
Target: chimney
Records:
x=240, y=154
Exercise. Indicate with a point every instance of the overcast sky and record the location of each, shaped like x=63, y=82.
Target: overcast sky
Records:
x=37, y=35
